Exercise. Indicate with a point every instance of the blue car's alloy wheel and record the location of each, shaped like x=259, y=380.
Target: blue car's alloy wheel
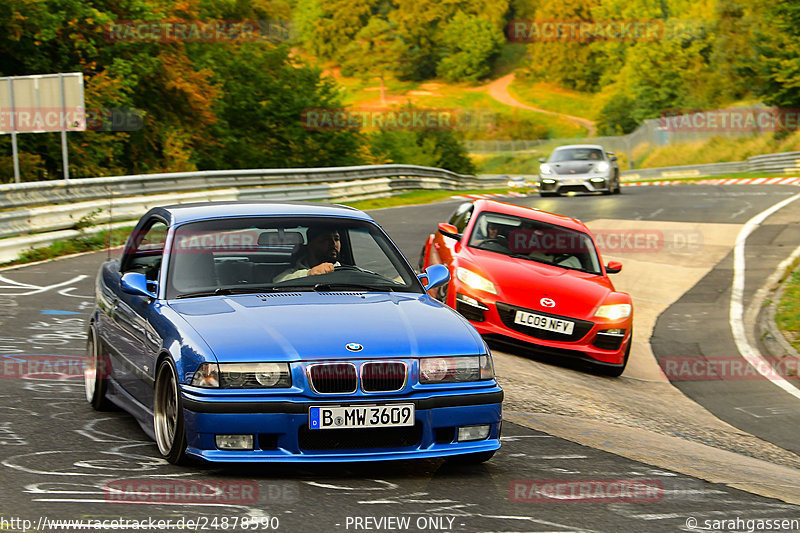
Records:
x=168, y=415
x=94, y=375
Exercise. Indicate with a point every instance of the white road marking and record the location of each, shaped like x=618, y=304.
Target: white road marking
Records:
x=35, y=289
x=736, y=316
x=385, y=485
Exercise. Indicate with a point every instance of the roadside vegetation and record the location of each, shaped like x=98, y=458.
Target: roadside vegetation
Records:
x=787, y=312
x=85, y=242
x=239, y=104
x=713, y=150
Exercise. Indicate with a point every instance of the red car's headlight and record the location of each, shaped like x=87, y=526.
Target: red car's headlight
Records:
x=614, y=311
x=476, y=281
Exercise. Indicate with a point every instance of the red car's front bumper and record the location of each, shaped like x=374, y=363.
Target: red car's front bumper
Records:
x=590, y=340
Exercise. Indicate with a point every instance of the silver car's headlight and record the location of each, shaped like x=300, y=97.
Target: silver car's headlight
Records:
x=243, y=376
x=544, y=168
x=603, y=166
x=455, y=369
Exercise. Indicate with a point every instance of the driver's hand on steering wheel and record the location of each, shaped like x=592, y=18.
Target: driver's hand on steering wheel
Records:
x=322, y=268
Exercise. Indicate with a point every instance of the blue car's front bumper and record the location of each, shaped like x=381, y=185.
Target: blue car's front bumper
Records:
x=281, y=434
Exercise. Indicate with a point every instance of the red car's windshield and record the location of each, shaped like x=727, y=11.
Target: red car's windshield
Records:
x=536, y=241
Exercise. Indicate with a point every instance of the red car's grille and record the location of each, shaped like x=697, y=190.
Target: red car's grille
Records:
x=333, y=378
x=382, y=376
x=508, y=312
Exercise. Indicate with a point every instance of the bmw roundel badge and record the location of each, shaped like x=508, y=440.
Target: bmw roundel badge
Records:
x=354, y=347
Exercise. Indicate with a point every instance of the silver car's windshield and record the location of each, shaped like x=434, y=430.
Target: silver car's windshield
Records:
x=533, y=240
x=576, y=154
x=235, y=256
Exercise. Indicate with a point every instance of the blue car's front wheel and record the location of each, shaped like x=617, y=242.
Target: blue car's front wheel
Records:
x=168, y=415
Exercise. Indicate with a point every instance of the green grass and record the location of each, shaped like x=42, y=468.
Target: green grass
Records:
x=787, y=313
x=714, y=150
x=415, y=198
x=542, y=126
x=512, y=123
x=506, y=163
x=511, y=57
x=553, y=98
x=75, y=245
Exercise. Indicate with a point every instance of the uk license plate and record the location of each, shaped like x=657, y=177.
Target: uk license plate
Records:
x=546, y=323
x=368, y=416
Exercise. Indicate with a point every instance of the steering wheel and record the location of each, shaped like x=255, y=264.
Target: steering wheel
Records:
x=339, y=268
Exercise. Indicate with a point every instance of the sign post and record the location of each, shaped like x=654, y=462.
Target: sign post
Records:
x=40, y=104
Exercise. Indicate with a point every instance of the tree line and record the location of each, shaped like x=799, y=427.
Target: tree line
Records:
x=706, y=54
x=228, y=103
x=203, y=103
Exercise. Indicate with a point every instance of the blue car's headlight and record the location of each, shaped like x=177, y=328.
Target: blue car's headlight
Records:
x=455, y=369
x=243, y=375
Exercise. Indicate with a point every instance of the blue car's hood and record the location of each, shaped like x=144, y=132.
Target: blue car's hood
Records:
x=313, y=326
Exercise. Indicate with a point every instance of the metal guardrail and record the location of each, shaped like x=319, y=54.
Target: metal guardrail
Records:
x=54, y=206
x=685, y=171
x=50, y=192
x=50, y=206
x=779, y=163
x=784, y=162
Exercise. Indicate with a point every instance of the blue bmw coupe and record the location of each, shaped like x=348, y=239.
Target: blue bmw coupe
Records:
x=239, y=332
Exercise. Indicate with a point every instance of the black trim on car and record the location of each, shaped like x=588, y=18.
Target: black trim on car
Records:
x=461, y=400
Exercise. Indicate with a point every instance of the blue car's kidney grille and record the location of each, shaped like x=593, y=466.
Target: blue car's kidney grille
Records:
x=333, y=378
x=382, y=376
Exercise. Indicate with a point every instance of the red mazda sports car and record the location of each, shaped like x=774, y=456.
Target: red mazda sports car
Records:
x=521, y=274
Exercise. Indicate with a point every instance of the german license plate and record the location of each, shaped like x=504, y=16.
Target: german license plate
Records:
x=546, y=323
x=368, y=416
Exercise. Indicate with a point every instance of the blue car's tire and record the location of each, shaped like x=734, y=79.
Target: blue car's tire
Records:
x=168, y=415
x=95, y=374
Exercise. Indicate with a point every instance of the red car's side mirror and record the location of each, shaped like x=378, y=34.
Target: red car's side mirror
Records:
x=613, y=267
x=449, y=230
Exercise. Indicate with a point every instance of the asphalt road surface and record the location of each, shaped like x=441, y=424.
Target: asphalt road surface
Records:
x=61, y=460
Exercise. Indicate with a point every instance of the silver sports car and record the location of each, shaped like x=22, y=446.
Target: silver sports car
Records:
x=579, y=168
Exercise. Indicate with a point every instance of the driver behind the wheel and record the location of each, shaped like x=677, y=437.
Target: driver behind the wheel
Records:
x=319, y=256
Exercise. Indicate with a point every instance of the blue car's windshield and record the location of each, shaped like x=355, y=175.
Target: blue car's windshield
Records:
x=232, y=256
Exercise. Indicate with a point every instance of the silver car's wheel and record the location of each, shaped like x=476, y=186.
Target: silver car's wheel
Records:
x=168, y=415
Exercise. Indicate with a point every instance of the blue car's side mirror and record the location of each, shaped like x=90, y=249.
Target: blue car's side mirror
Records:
x=436, y=275
x=136, y=283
